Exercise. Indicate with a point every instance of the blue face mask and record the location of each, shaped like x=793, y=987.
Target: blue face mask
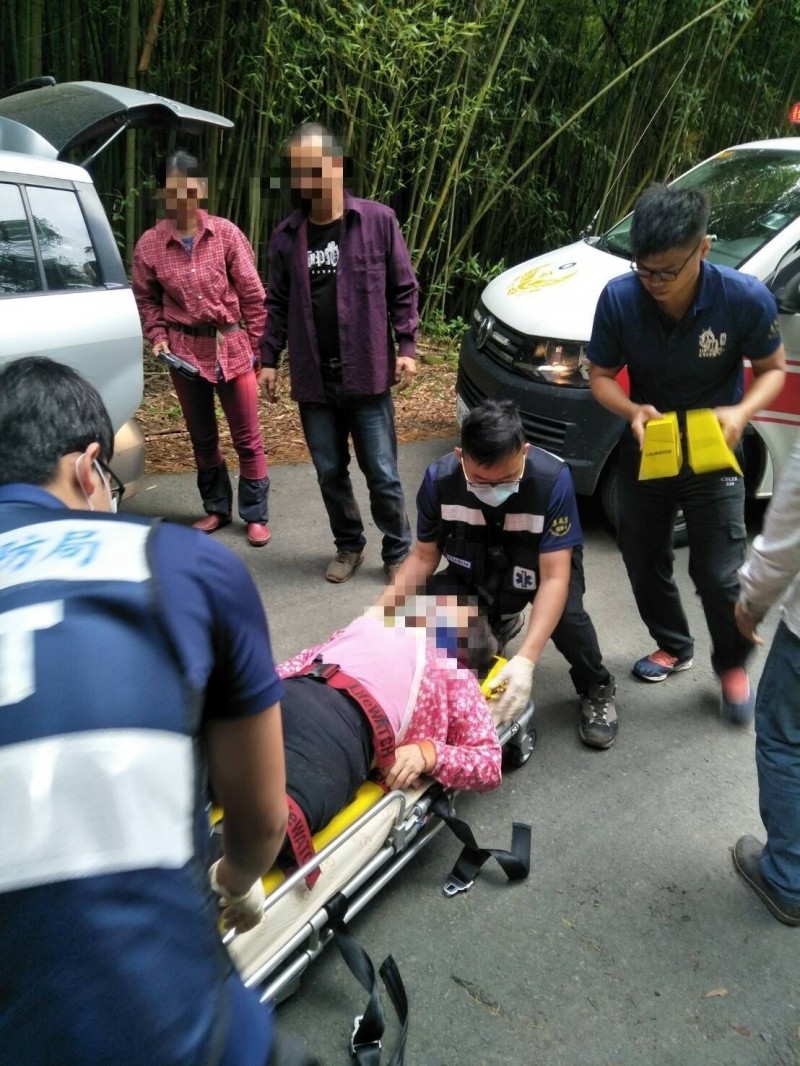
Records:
x=447, y=638
x=494, y=495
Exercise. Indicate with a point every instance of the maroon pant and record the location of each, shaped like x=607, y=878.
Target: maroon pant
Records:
x=239, y=400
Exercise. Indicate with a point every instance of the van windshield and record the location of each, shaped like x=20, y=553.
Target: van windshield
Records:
x=754, y=193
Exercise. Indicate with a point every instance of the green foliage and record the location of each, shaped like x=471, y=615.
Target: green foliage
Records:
x=494, y=128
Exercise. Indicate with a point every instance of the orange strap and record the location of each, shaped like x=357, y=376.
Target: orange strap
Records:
x=299, y=835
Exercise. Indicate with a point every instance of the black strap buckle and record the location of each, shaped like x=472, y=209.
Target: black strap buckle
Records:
x=321, y=671
x=357, y=1045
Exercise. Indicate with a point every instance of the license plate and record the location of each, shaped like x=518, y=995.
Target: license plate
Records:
x=461, y=409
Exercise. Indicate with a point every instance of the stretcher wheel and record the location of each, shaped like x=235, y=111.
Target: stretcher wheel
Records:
x=520, y=750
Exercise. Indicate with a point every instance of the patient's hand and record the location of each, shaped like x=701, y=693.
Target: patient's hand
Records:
x=409, y=764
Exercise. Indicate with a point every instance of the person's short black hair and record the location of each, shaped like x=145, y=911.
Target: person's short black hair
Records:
x=665, y=218
x=47, y=410
x=492, y=431
x=178, y=162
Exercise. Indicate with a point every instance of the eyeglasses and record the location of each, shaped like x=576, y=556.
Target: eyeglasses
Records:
x=493, y=484
x=662, y=275
x=116, y=488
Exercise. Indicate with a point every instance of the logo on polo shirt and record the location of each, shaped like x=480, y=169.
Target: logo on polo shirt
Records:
x=709, y=346
x=559, y=527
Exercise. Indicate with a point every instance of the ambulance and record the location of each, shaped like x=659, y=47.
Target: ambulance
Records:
x=528, y=335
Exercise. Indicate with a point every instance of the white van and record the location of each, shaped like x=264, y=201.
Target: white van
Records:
x=63, y=288
x=529, y=333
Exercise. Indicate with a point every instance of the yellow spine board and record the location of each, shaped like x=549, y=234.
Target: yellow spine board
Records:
x=661, y=454
x=708, y=449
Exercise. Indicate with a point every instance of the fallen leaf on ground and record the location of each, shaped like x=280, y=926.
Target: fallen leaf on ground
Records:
x=714, y=993
x=742, y=1030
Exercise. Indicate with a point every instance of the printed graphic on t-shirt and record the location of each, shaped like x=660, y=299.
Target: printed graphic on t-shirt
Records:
x=322, y=261
x=709, y=346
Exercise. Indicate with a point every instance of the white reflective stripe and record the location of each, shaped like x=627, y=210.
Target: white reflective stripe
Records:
x=524, y=523
x=454, y=512
x=74, y=549
x=18, y=648
x=100, y=802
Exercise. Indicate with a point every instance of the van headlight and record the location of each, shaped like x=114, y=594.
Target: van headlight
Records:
x=546, y=359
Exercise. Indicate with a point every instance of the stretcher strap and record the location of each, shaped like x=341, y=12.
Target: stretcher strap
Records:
x=299, y=836
x=365, y=1043
x=383, y=738
x=515, y=864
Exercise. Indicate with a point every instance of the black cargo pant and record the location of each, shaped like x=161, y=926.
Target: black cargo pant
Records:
x=713, y=506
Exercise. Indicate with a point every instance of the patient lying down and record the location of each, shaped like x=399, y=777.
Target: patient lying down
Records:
x=415, y=667
x=418, y=674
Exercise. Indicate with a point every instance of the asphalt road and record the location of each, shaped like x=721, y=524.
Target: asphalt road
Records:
x=633, y=941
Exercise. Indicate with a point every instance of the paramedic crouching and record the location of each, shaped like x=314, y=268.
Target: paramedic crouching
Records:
x=504, y=516
x=134, y=658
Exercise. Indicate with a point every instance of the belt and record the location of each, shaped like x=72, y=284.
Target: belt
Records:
x=383, y=737
x=203, y=331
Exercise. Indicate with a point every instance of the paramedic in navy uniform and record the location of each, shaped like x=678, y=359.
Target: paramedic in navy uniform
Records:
x=503, y=514
x=683, y=327
x=134, y=657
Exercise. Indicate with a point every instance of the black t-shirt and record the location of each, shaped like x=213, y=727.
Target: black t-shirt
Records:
x=323, y=257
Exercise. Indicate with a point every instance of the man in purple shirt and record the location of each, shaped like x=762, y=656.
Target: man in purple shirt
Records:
x=340, y=283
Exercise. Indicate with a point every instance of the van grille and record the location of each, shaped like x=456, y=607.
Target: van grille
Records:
x=544, y=432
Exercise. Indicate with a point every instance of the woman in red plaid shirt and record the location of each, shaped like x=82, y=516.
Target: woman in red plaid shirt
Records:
x=200, y=297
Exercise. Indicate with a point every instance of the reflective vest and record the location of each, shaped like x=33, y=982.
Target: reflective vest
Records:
x=496, y=549
x=104, y=904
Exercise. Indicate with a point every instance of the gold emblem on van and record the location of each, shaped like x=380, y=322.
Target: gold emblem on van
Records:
x=542, y=276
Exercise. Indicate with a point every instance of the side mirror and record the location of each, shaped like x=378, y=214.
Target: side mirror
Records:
x=785, y=286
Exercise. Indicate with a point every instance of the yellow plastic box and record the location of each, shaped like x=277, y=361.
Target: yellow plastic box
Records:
x=708, y=450
x=661, y=455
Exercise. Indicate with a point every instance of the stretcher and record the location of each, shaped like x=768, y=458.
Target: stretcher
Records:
x=357, y=854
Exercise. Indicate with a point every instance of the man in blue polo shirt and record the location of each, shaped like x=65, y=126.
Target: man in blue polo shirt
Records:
x=682, y=327
x=134, y=662
x=503, y=514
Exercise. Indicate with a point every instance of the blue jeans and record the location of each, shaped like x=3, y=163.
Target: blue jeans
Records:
x=778, y=763
x=369, y=420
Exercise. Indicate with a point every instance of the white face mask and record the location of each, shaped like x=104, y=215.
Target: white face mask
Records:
x=494, y=495
x=112, y=499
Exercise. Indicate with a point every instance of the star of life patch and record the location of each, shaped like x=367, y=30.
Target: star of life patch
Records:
x=523, y=579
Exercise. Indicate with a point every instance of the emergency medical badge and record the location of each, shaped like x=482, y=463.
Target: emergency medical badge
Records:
x=559, y=527
x=523, y=579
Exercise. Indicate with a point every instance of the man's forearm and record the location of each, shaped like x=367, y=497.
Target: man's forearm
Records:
x=247, y=856
x=546, y=611
x=609, y=393
x=763, y=390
